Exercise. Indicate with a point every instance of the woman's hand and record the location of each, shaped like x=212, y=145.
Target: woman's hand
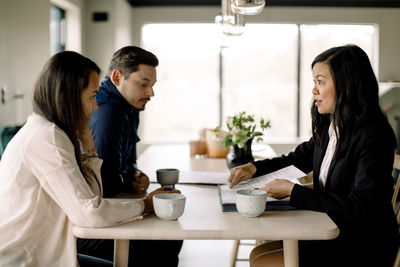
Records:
x=278, y=188
x=241, y=173
x=148, y=201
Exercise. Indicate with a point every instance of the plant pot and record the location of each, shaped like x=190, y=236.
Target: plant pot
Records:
x=215, y=149
x=239, y=156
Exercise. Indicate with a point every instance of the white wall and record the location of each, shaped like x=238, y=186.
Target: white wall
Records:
x=102, y=39
x=24, y=37
x=388, y=20
x=123, y=34
x=24, y=48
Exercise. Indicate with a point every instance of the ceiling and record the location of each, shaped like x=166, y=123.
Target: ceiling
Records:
x=293, y=3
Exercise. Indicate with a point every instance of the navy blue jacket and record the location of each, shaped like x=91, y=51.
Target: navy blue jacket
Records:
x=114, y=127
x=357, y=197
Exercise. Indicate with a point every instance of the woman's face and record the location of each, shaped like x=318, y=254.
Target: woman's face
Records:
x=324, y=89
x=88, y=95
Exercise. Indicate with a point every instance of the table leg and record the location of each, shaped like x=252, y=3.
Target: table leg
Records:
x=121, y=252
x=291, y=253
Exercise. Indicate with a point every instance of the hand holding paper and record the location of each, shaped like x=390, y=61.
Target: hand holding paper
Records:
x=278, y=188
x=290, y=174
x=241, y=173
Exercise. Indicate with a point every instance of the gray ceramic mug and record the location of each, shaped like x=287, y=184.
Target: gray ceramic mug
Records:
x=167, y=176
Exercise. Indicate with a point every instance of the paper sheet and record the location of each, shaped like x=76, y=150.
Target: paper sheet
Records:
x=202, y=177
x=198, y=177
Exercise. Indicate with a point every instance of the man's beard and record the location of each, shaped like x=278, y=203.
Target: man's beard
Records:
x=147, y=99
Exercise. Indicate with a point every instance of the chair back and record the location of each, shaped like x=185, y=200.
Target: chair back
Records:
x=396, y=204
x=6, y=134
x=396, y=166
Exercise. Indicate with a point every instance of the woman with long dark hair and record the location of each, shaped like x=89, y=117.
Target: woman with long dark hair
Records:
x=50, y=172
x=351, y=154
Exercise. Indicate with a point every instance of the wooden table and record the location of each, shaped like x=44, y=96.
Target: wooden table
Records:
x=203, y=219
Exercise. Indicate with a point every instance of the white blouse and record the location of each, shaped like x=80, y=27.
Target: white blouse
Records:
x=43, y=193
x=330, y=151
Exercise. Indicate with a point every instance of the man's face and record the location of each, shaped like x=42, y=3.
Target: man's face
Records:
x=137, y=89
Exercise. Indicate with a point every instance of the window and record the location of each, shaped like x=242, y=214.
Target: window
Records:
x=186, y=92
x=57, y=30
x=259, y=76
x=317, y=38
x=265, y=72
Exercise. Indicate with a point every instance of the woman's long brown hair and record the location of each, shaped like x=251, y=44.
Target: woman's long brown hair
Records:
x=57, y=94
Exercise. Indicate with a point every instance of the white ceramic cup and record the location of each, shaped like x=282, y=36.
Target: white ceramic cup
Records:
x=251, y=202
x=167, y=176
x=169, y=206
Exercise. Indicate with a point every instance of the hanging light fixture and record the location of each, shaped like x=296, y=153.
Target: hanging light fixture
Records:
x=232, y=23
x=247, y=7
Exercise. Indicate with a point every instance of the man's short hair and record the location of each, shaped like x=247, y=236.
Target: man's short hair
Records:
x=128, y=59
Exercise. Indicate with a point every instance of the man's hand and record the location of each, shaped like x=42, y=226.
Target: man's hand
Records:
x=148, y=201
x=140, y=182
x=241, y=173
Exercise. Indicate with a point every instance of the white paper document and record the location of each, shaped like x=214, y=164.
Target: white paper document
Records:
x=202, y=177
x=198, y=177
x=290, y=173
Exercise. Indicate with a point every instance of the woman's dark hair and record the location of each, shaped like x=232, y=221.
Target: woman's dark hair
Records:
x=357, y=98
x=128, y=58
x=57, y=93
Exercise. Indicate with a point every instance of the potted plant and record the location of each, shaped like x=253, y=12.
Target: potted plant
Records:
x=242, y=129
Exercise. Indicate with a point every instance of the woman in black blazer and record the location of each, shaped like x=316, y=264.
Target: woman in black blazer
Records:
x=351, y=154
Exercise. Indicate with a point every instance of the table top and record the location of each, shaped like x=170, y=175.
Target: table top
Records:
x=178, y=156
x=203, y=219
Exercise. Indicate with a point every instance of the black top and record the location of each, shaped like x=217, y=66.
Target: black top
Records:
x=357, y=197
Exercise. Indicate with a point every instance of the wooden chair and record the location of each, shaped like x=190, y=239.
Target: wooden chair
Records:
x=397, y=261
x=235, y=250
x=395, y=203
x=272, y=251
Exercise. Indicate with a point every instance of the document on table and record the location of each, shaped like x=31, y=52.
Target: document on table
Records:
x=228, y=197
x=203, y=177
x=199, y=177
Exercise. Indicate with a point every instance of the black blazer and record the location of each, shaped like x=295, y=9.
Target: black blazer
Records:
x=357, y=197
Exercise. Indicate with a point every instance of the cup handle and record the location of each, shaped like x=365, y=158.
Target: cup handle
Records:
x=171, y=209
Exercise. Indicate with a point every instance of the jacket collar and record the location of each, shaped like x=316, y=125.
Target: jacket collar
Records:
x=109, y=93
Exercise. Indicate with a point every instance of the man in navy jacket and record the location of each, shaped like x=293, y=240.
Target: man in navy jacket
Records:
x=125, y=92
x=122, y=95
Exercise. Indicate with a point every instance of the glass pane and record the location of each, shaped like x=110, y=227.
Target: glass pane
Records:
x=187, y=89
x=259, y=76
x=57, y=29
x=316, y=39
